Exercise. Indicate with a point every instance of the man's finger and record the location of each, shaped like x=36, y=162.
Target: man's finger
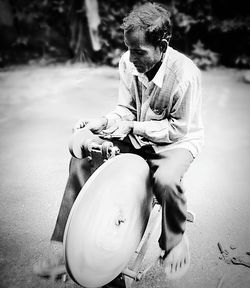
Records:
x=119, y=136
x=110, y=130
x=84, y=123
x=79, y=125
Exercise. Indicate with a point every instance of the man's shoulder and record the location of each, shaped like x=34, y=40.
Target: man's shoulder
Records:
x=179, y=59
x=181, y=65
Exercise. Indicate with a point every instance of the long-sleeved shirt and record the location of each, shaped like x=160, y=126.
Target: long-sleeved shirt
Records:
x=166, y=110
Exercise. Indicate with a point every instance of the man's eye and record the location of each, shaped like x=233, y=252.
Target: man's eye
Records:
x=138, y=52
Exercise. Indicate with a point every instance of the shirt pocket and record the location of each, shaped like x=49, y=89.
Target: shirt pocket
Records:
x=158, y=104
x=157, y=113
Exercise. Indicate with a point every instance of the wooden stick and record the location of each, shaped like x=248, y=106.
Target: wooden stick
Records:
x=221, y=250
x=221, y=282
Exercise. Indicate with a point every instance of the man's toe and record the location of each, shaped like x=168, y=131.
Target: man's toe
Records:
x=177, y=270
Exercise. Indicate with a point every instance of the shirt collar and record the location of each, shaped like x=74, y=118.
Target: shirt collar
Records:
x=159, y=76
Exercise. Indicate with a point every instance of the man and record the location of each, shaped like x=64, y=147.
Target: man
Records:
x=158, y=117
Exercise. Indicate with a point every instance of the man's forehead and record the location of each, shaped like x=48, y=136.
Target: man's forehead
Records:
x=135, y=38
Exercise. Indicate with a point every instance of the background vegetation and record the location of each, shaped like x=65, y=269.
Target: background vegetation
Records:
x=212, y=32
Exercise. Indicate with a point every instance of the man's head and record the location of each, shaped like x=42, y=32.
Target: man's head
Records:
x=147, y=31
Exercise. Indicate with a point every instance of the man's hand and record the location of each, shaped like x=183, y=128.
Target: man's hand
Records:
x=119, y=129
x=95, y=125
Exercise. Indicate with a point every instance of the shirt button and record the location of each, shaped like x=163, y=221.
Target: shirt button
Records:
x=157, y=111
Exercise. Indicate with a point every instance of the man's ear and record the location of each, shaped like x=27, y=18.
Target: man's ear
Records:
x=163, y=45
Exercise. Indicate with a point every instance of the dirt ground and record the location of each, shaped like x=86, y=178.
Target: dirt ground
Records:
x=39, y=106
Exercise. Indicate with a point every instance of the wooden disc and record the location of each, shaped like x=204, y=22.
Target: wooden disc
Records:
x=107, y=220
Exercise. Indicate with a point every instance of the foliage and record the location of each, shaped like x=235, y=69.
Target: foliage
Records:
x=210, y=31
x=222, y=26
x=204, y=58
x=231, y=38
x=40, y=27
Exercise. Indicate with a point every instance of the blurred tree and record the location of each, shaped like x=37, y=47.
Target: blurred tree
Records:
x=84, y=37
x=229, y=33
x=212, y=27
x=210, y=31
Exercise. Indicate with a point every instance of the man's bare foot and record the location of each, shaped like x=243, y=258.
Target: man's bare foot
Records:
x=178, y=260
x=51, y=266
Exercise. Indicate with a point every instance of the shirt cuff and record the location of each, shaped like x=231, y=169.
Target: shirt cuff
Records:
x=139, y=128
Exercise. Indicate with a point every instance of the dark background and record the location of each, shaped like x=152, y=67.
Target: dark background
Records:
x=212, y=32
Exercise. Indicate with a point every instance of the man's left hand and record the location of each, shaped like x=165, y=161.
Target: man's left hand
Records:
x=119, y=129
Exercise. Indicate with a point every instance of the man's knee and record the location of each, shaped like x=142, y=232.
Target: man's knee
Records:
x=166, y=185
x=164, y=178
x=79, y=165
x=79, y=172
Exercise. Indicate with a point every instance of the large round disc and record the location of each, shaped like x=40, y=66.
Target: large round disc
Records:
x=107, y=220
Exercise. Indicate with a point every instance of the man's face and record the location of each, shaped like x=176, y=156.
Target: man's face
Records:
x=142, y=54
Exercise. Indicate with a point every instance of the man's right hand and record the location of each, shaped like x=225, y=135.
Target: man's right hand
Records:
x=95, y=125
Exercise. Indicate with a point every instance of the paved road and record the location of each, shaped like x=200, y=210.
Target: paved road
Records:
x=38, y=107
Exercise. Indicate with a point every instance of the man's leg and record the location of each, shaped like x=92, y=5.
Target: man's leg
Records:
x=168, y=169
x=79, y=172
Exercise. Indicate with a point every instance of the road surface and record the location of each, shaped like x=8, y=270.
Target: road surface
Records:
x=39, y=106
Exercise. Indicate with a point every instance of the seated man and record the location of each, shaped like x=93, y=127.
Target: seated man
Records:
x=158, y=117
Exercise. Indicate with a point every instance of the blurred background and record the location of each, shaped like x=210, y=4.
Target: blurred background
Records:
x=212, y=32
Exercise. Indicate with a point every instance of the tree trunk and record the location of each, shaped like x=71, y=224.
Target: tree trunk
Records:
x=93, y=23
x=84, y=21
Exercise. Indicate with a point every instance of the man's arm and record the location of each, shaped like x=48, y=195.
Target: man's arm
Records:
x=184, y=116
x=125, y=109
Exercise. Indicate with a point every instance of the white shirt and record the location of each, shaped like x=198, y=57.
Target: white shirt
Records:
x=167, y=110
